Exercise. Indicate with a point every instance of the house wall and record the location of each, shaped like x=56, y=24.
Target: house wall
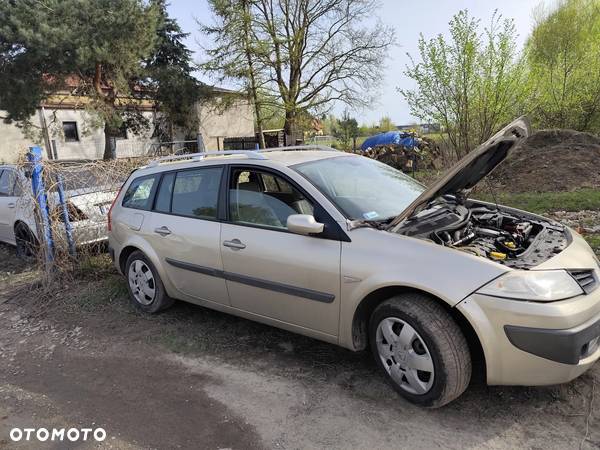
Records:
x=14, y=142
x=215, y=124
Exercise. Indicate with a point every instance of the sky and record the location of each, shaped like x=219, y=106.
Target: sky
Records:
x=429, y=17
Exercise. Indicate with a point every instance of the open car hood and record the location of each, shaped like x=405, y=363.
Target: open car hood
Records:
x=461, y=178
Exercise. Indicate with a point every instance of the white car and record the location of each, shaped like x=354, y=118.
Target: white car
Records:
x=87, y=208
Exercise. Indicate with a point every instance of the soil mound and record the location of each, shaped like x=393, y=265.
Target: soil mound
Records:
x=550, y=161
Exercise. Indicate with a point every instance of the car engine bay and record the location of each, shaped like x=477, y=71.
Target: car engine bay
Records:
x=509, y=237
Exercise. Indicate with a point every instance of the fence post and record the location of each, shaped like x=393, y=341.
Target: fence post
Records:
x=65, y=214
x=200, y=142
x=34, y=156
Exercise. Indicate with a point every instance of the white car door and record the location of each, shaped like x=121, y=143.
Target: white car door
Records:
x=8, y=205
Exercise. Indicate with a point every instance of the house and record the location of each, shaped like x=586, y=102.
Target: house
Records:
x=66, y=129
x=424, y=128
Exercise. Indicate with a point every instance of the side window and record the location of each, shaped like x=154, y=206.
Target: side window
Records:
x=196, y=192
x=139, y=193
x=7, y=182
x=264, y=199
x=276, y=184
x=163, y=197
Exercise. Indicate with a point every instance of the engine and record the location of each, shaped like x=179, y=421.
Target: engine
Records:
x=503, y=235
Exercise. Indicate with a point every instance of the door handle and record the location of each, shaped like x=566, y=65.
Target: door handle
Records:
x=163, y=231
x=234, y=244
x=11, y=205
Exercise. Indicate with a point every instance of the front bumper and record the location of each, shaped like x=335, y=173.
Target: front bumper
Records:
x=528, y=343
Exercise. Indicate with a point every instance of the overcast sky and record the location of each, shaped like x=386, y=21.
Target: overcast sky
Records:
x=409, y=18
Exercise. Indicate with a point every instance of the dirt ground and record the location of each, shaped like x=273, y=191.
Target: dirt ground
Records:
x=552, y=161
x=195, y=378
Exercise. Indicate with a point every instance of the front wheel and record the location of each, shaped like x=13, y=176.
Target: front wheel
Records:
x=27, y=245
x=421, y=349
x=145, y=287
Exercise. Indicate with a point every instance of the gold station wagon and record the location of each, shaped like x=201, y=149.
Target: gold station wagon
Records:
x=345, y=249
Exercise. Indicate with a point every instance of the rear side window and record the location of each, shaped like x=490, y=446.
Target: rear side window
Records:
x=196, y=192
x=139, y=193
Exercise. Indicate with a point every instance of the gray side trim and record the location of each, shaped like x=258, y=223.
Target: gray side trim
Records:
x=196, y=268
x=255, y=282
x=564, y=346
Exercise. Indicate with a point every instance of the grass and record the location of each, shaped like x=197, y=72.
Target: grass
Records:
x=594, y=241
x=544, y=202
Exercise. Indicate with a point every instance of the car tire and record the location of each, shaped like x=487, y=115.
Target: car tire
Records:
x=145, y=287
x=27, y=244
x=428, y=362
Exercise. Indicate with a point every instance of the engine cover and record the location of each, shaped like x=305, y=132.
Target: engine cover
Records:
x=440, y=217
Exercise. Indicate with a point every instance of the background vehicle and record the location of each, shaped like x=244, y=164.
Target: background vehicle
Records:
x=87, y=208
x=350, y=251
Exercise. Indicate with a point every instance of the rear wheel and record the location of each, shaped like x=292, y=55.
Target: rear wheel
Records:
x=146, y=289
x=421, y=349
x=27, y=245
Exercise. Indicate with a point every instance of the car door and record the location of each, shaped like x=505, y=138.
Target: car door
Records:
x=8, y=204
x=183, y=229
x=270, y=271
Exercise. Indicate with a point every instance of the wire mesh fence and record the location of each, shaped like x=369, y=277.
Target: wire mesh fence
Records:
x=70, y=224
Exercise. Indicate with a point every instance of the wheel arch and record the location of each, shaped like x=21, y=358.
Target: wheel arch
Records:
x=125, y=252
x=30, y=230
x=141, y=246
x=362, y=314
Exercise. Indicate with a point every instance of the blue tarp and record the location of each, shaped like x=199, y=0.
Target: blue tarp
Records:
x=390, y=138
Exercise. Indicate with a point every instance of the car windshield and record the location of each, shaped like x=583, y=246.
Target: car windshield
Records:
x=362, y=188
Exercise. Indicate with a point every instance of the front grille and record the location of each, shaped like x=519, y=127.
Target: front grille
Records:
x=586, y=278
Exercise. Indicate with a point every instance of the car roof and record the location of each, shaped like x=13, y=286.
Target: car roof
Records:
x=296, y=155
x=292, y=157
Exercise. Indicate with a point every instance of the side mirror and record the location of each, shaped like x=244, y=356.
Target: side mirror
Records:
x=304, y=224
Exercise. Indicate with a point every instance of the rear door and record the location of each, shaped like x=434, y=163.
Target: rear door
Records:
x=270, y=271
x=184, y=231
x=8, y=204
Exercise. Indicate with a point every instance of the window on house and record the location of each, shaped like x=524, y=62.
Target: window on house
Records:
x=70, y=131
x=121, y=132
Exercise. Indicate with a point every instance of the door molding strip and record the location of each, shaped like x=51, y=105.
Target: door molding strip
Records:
x=310, y=294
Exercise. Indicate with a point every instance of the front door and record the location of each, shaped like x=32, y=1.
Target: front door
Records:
x=8, y=205
x=269, y=270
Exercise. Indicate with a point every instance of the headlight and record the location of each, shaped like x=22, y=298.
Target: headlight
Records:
x=533, y=285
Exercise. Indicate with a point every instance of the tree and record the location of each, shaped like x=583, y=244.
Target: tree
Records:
x=346, y=131
x=470, y=84
x=175, y=91
x=232, y=58
x=100, y=44
x=312, y=53
x=563, y=53
x=385, y=124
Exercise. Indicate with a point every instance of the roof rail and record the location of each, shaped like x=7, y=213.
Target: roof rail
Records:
x=251, y=154
x=307, y=147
